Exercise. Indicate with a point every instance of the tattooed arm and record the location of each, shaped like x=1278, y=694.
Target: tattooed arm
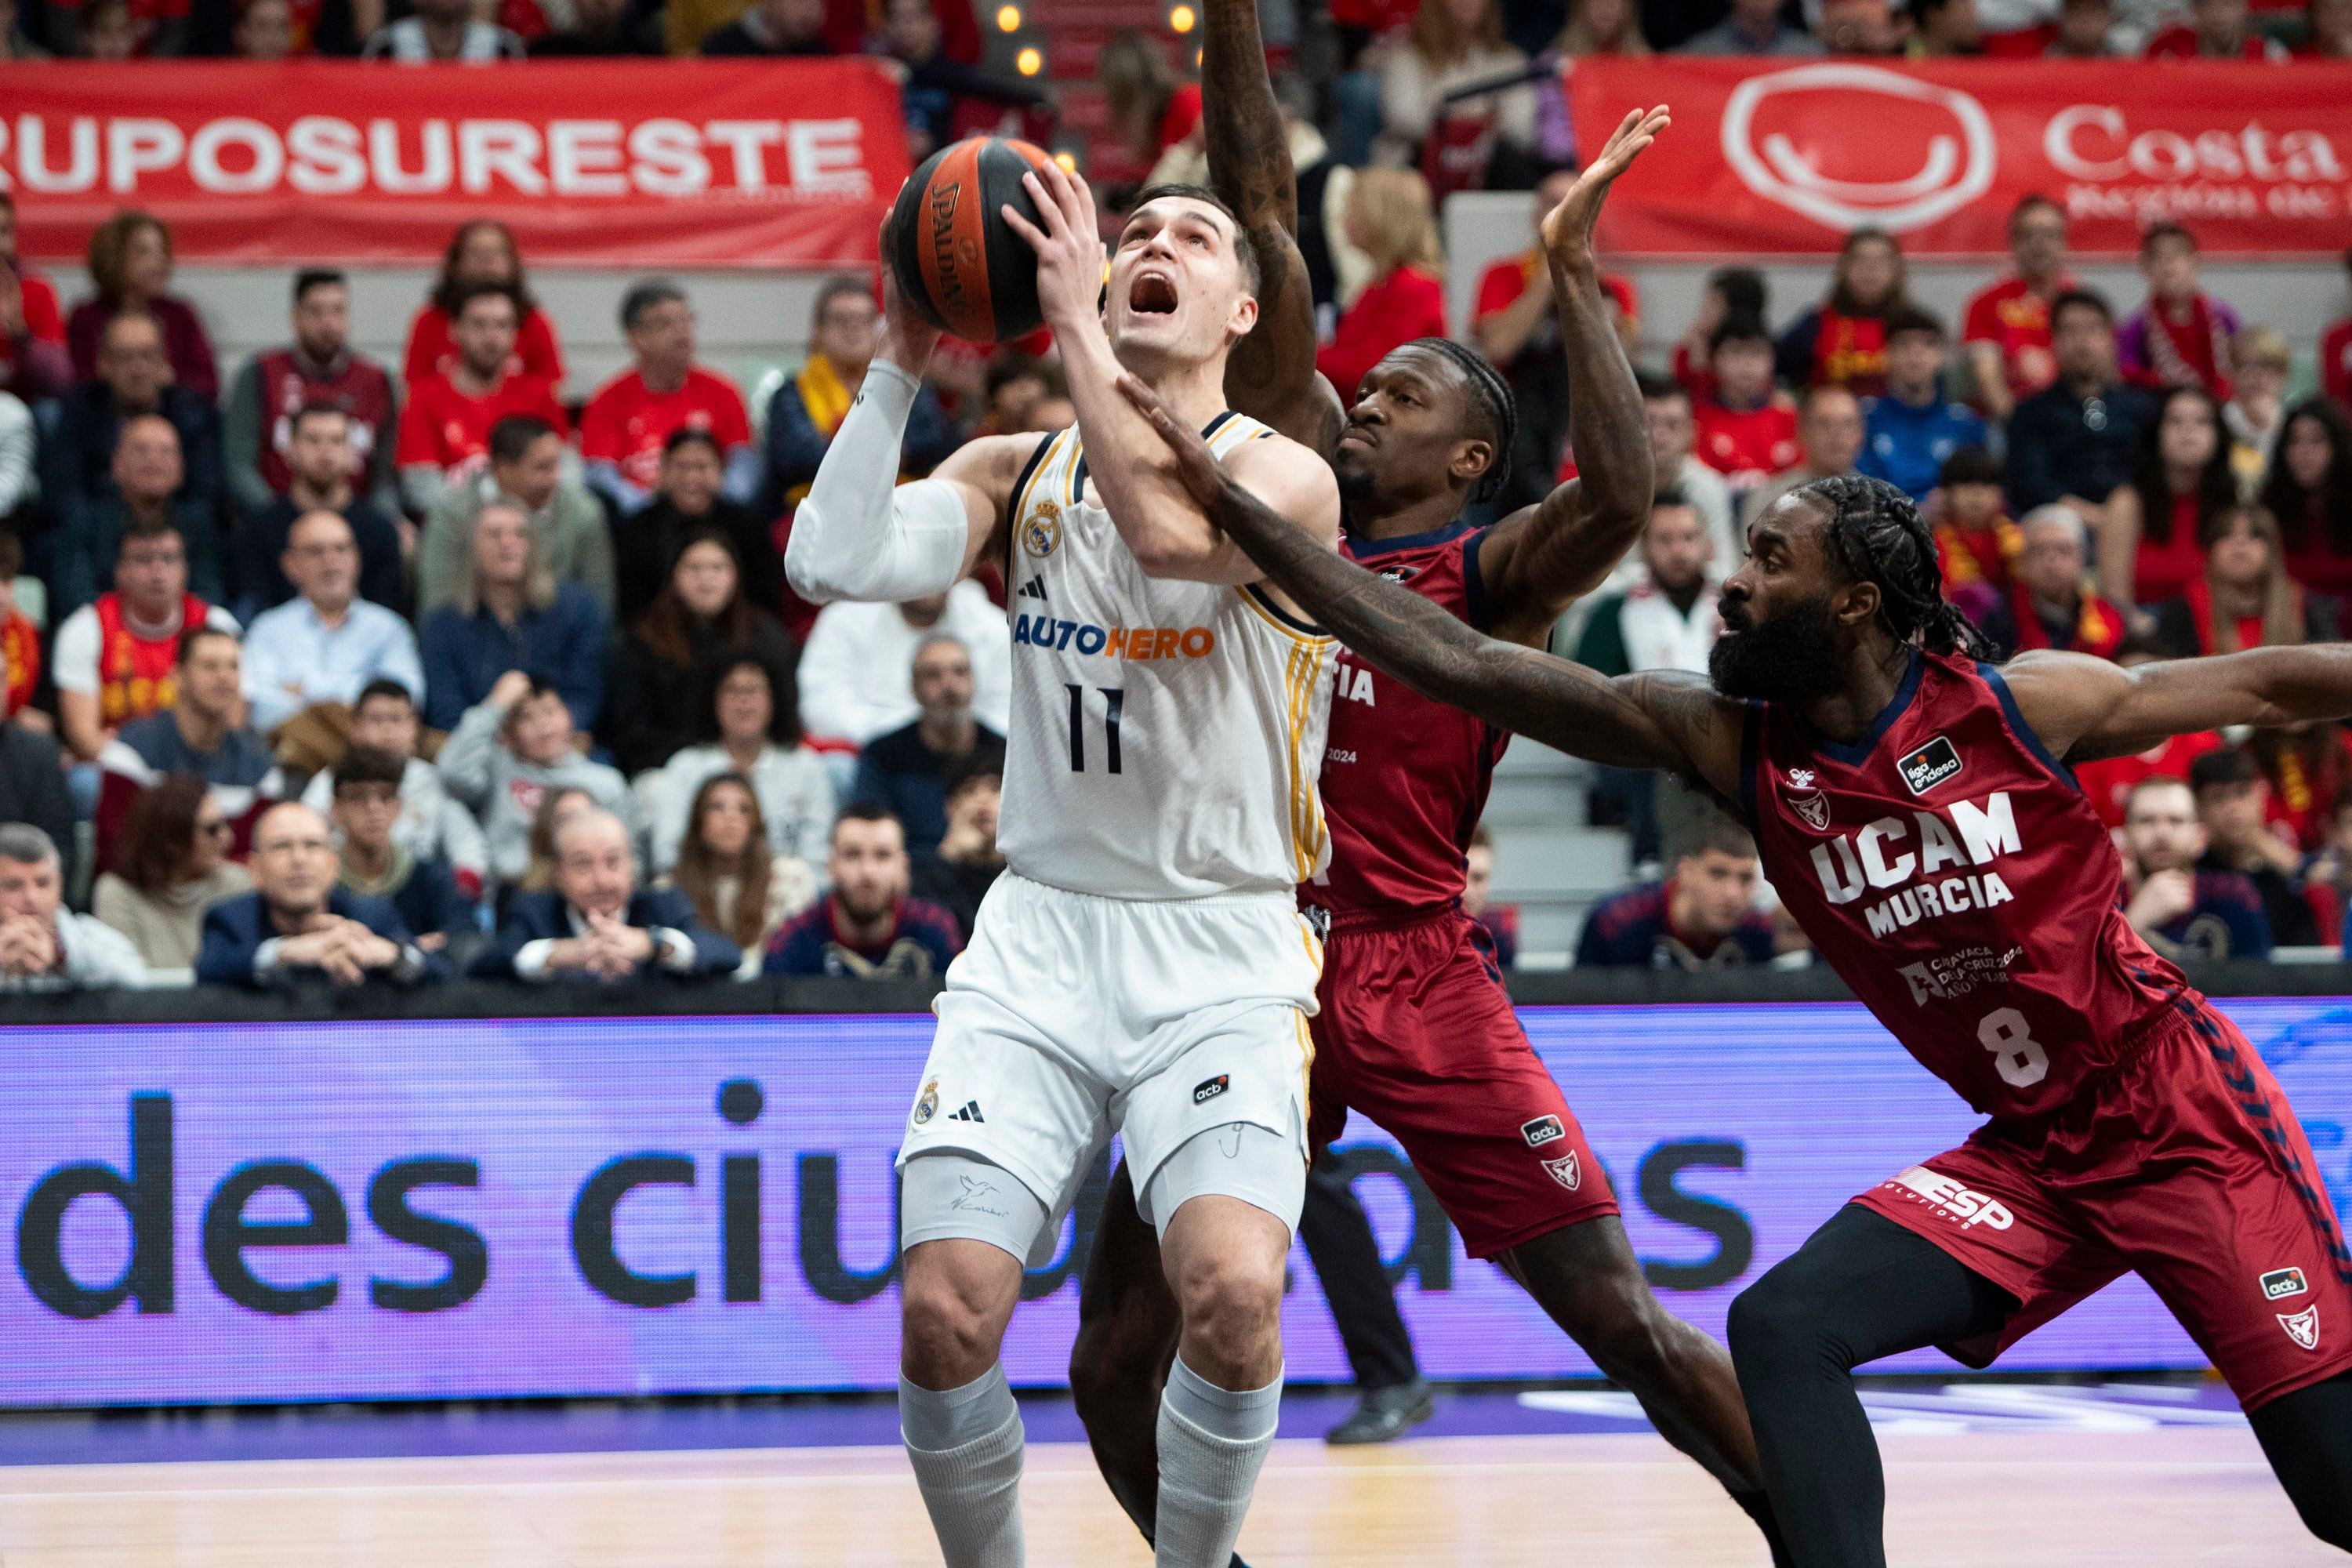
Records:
x=1271, y=376
x=1542, y=557
x=1661, y=720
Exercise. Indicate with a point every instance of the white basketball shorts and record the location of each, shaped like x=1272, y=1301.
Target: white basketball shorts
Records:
x=1071, y=1018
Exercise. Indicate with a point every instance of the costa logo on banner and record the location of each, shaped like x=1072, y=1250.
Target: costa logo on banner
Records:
x=1792, y=159
x=1948, y=128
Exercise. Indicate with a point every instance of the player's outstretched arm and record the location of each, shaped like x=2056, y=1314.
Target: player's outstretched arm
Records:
x=1161, y=524
x=1538, y=559
x=1271, y=376
x=859, y=534
x=1666, y=719
x=2084, y=709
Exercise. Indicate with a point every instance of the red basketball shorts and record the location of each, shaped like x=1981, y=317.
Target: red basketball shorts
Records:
x=1417, y=1033
x=2188, y=1170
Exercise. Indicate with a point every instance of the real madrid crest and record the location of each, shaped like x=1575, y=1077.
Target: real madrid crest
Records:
x=928, y=1105
x=1803, y=791
x=1042, y=534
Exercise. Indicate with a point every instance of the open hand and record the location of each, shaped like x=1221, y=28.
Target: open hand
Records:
x=1069, y=247
x=1197, y=468
x=1567, y=230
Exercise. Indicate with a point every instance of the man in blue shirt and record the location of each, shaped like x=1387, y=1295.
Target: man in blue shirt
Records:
x=1909, y=431
x=198, y=734
x=297, y=922
x=2184, y=911
x=324, y=645
x=1704, y=916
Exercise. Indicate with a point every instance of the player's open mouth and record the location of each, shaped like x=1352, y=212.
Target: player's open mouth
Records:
x=1153, y=294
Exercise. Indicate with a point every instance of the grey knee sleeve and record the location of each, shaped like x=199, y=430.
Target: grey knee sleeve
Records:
x=950, y=1194
x=1240, y=1160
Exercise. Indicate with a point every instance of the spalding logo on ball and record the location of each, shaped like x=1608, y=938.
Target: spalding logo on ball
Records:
x=957, y=262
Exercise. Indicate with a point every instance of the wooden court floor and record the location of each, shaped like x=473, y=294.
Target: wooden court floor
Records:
x=2146, y=1500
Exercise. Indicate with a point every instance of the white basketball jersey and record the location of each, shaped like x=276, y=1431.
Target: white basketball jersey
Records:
x=1165, y=736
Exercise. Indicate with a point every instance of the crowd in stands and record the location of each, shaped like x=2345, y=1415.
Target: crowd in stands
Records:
x=385, y=673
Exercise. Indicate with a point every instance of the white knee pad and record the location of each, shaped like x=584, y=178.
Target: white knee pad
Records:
x=947, y=1194
x=1240, y=1160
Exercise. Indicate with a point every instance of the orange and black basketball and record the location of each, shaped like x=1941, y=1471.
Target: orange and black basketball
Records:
x=956, y=259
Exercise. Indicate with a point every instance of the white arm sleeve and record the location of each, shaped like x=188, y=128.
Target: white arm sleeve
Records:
x=860, y=534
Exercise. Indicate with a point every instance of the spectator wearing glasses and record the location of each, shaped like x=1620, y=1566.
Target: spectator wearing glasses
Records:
x=297, y=924
x=481, y=251
x=2050, y=602
x=318, y=463
x=130, y=266
x=318, y=369
x=804, y=411
x=171, y=864
x=624, y=427
x=43, y=946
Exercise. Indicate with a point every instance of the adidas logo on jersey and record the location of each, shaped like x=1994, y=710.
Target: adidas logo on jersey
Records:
x=971, y=1113
x=1033, y=589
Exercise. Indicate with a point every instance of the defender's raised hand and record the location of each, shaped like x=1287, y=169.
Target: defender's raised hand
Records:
x=1069, y=247
x=1568, y=228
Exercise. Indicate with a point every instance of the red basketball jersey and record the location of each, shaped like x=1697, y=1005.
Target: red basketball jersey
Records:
x=1405, y=779
x=1951, y=872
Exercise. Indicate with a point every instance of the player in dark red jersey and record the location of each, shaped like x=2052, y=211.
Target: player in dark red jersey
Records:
x=1416, y=1030
x=1913, y=805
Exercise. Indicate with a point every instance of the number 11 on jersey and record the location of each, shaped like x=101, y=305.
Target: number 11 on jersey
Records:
x=1114, y=701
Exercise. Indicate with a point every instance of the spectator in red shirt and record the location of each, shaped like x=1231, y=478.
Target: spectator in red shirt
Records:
x=2216, y=30
x=1513, y=325
x=131, y=263
x=1730, y=291
x=1389, y=219
x=625, y=426
x=1841, y=342
x=2007, y=327
x=1747, y=426
x=2151, y=533
x=482, y=251
x=2309, y=490
x=2242, y=598
x=33, y=360
x=2327, y=31
x=2180, y=336
x=445, y=428
x=2335, y=352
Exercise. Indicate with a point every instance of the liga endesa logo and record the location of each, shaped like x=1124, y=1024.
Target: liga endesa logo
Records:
x=1936, y=144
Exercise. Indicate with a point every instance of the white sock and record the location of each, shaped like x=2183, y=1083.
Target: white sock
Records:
x=965, y=1445
x=1212, y=1442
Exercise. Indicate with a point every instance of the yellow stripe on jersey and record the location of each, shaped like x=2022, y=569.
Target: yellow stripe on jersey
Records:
x=1302, y=678
x=1305, y=1067
x=1036, y=477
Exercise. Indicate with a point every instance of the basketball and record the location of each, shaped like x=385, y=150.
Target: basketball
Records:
x=957, y=262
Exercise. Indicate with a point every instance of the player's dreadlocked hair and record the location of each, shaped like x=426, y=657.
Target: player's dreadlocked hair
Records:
x=1878, y=536
x=1493, y=395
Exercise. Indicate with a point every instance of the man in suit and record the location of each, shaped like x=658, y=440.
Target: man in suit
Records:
x=297, y=922
x=594, y=923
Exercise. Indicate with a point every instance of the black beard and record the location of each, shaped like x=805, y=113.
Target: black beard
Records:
x=1792, y=657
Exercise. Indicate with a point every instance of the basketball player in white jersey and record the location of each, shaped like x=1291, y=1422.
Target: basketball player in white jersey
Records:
x=1141, y=967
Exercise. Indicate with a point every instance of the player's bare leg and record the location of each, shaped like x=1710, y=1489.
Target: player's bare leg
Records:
x=956, y=1412
x=1587, y=1280
x=1223, y=1259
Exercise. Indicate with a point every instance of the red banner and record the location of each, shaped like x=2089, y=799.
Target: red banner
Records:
x=1780, y=157
x=619, y=164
